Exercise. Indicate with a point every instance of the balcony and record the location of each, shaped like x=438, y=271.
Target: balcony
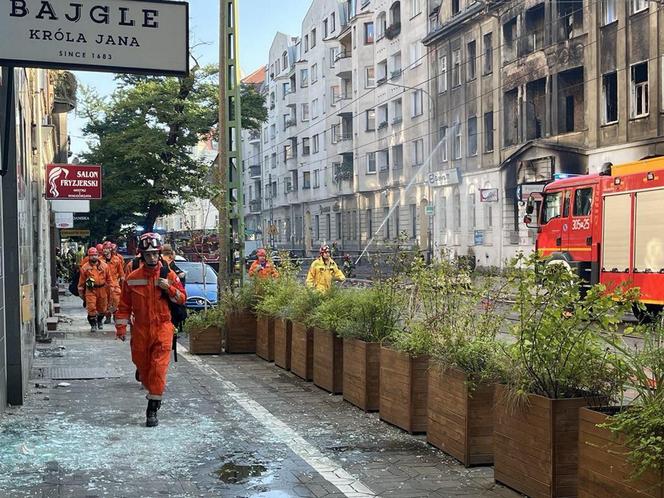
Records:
x=289, y=123
x=291, y=99
x=396, y=74
x=382, y=125
x=343, y=65
x=344, y=141
x=255, y=171
x=291, y=162
x=255, y=206
x=254, y=136
x=393, y=30
x=381, y=81
x=344, y=170
x=341, y=97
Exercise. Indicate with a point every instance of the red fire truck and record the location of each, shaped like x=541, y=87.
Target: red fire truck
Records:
x=607, y=227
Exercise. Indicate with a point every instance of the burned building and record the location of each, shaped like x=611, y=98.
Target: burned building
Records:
x=527, y=90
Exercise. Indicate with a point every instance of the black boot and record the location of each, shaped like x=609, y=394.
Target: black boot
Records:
x=93, y=323
x=108, y=319
x=151, y=413
x=100, y=322
x=137, y=376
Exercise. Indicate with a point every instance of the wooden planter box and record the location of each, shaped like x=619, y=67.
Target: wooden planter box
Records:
x=205, y=341
x=603, y=468
x=328, y=361
x=265, y=337
x=536, y=446
x=361, y=371
x=460, y=422
x=282, y=342
x=240, y=332
x=302, y=351
x=403, y=390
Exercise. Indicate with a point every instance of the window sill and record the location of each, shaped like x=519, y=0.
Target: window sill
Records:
x=610, y=123
x=416, y=15
x=639, y=117
x=615, y=21
x=370, y=172
x=645, y=9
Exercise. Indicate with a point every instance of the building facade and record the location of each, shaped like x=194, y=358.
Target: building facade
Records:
x=434, y=120
x=34, y=138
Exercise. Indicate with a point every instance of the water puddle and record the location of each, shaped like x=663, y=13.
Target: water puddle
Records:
x=233, y=473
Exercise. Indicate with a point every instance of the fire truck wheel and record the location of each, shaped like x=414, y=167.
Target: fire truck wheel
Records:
x=647, y=314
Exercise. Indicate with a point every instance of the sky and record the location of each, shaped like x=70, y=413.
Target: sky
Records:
x=259, y=21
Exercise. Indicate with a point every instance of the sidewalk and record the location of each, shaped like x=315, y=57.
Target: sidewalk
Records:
x=230, y=426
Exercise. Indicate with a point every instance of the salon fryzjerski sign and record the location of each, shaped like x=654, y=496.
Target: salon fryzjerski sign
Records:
x=131, y=36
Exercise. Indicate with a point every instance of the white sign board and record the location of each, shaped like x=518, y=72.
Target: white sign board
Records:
x=488, y=195
x=64, y=220
x=443, y=178
x=70, y=206
x=123, y=36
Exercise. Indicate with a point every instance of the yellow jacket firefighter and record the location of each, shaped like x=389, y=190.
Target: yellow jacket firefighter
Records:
x=320, y=275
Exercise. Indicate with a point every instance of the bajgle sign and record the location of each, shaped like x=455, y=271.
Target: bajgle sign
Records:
x=128, y=36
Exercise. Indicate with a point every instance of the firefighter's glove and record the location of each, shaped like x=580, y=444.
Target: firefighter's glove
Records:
x=121, y=332
x=90, y=283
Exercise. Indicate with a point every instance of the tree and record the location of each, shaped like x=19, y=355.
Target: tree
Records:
x=254, y=112
x=143, y=137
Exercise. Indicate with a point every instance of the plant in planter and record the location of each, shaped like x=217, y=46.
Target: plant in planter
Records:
x=272, y=341
x=334, y=311
x=205, y=331
x=303, y=303
x=464, y=367
x=557, y=364
x=238, y=305
x=629, y=440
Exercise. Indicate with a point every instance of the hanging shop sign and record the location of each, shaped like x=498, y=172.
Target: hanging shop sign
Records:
x=73, y=181
x=122, y=36
x=488, y=195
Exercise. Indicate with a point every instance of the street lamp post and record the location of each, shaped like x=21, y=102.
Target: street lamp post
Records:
x=432, y=105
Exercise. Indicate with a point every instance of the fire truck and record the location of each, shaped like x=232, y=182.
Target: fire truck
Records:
x=607, y=227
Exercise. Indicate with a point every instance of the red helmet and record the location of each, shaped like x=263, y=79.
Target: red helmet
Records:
x=324, y=249
x=100, y=247
x=114, y=247
x=93, y=251
x=261, y=252
x=149, y=242
x=108, y=245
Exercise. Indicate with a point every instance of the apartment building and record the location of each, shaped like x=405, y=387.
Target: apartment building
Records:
x=348, y=128
x=525, y=91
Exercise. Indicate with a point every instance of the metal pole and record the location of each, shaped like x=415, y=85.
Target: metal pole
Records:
x=222, y=158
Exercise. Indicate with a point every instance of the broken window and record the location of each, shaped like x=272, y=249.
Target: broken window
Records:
x=534, y=38
x=639, y=75
x=472, y=136
x=570, y=19
x=511, y=114
x=509, y=40
x=488, y=131
x=488, y=53
x=571, y=101
x=471, y=54
x=535, y=108
x=610, y=97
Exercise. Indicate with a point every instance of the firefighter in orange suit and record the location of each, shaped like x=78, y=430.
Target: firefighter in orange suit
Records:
x=262, y=268
x=145, y=297
x=116, y=273
x=92, y=287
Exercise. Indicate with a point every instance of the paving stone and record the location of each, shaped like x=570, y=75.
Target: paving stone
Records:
x=220, y=412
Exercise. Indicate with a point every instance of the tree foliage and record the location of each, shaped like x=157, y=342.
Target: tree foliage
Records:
x=143, y=137
x=254, y=112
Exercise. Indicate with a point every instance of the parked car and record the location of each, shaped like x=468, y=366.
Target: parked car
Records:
x=275, y=257
x=200, y=284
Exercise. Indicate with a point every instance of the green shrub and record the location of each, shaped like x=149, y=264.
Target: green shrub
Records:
x=642, y=423
x=204, y=319
x=303, y=303
x=336, y=309
x=559, y=349
x=374, y=314
x=276, y=298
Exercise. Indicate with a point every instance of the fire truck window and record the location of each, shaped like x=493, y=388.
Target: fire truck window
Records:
x=552, y=204
x=583, y=201
x=568, y=194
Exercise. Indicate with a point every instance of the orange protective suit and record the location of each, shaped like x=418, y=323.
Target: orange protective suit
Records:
x=267, y=271
x=152, y=329
x=96, y=298
x=116, y=273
